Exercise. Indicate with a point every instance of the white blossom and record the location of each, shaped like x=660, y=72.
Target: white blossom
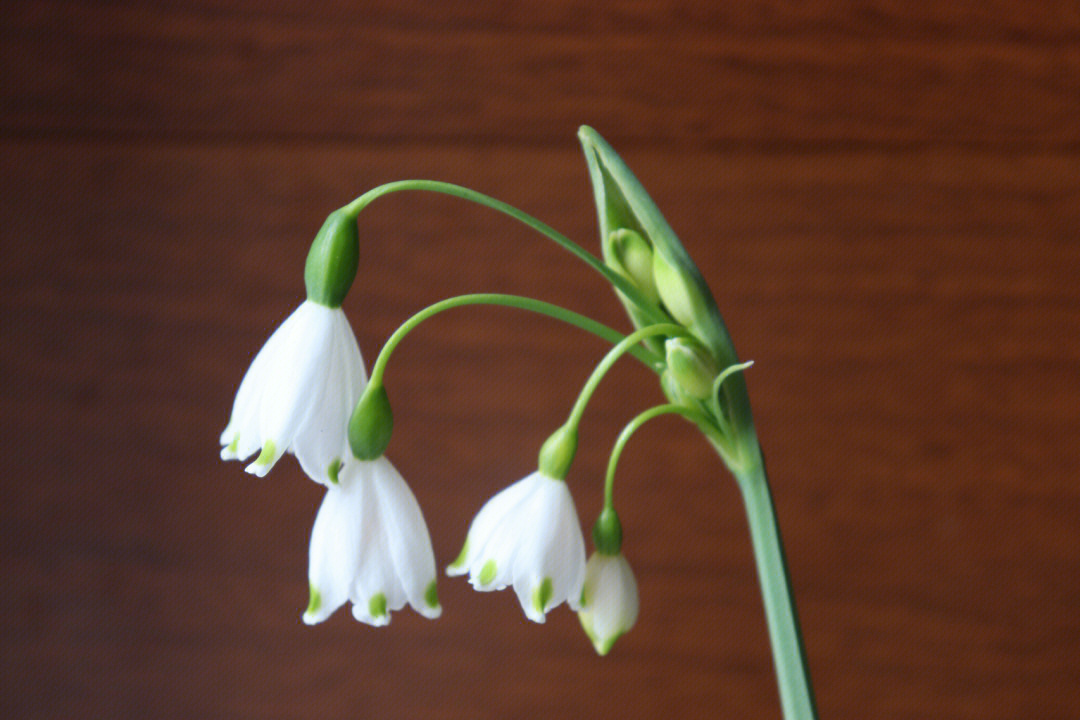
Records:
x=527, y=536
x=609, y=600
x=370, y=546
x=297, y=395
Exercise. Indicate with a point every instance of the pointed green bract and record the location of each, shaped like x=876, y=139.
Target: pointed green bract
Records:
x=622, y=203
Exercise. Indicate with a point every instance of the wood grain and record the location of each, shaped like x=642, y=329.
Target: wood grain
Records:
x=766, y=75
x=894, y=244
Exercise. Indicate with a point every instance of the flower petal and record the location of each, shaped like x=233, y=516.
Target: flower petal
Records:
x=611, y=600
x=485, y=525
x=335, y=550
x=376, y=589
x=408, y=540
x=293, y=379
x=320, y=439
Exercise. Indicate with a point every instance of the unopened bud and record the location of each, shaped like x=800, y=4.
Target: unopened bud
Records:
x=632, y=257
x=673, y=390
x=679, y=293
x=691, y=366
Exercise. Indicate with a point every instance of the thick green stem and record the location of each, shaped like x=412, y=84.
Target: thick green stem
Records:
x=538, y=306
x=789, y=657
x=648, y=307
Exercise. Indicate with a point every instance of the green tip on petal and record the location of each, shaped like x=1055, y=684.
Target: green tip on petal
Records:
x=601, y=645
x=541, y=595
x=333, y=470
x=460, y=559
x=314, y=600
x=377, y=605
x=431, y=595
x=269, y=450
x=487, y=573
x=234, y=444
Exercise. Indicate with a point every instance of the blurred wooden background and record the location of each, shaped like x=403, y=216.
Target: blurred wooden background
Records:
x=884, y=196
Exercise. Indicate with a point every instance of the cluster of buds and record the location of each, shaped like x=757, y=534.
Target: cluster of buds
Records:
x=307, y=393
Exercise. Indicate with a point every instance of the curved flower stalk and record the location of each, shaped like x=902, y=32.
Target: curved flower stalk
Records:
x=528, y=536
x=371, y=547
x=297, y=395
x=609, y=600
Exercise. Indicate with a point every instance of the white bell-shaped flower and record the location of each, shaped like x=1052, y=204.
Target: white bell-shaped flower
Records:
x=370, y=546
x=527, y=536
x=609, y=600
x=297, y=395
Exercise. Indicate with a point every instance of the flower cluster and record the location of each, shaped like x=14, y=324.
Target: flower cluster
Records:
x=370, y=545
x=307, y=393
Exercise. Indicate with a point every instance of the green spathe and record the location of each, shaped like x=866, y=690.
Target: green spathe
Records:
x=371, y=424
x=332, y=261
x=622, y=202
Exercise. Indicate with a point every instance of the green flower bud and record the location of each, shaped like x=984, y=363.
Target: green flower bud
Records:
x=557, y=453
x=371, y=424
x=674, y=391
x=691, y=366
x=333, y=259
x=630, y=255
x=678, y=292
x=607, y=532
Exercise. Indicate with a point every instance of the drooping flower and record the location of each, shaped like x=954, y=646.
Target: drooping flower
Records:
x=370, y=546
x=609, y=600
x=297, y=395
x=527, y=536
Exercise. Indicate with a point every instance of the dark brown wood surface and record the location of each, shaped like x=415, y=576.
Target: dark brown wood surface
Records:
x=884, y=197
